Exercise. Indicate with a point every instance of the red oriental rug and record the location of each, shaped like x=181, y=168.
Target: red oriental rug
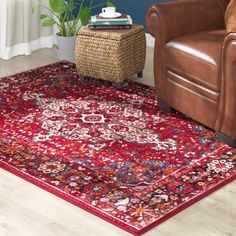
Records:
x=111, y=152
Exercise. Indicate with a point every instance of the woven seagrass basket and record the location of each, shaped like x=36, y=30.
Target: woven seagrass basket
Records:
x=112, y=55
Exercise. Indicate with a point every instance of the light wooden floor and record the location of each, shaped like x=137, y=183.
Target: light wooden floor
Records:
x=26, y=210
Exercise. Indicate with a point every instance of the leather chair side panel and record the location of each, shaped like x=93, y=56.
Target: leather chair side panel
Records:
x=154, y=23
x=160, y=71
x=226, y=120
x=196, y=102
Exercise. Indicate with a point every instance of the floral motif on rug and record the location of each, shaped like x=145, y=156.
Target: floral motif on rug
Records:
x=111, y=152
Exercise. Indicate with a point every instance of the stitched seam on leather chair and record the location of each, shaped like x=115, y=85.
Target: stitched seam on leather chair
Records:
x=193, y=92
x=193, y=86
x=193, y=78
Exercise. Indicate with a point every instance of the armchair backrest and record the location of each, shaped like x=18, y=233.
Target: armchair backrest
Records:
x=223, y=4
x=192, y=16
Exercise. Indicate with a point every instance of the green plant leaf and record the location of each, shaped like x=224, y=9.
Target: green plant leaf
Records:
x=58, y=6
x=84, y=15
x=71, y=7
x=42, y=16
x=48, y=22
x=110, y=4
x=63, y=14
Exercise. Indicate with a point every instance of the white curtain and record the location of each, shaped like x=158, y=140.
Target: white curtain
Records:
x=20, y=30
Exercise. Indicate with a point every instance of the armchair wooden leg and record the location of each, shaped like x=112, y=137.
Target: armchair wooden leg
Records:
x=140, y=74
x=226, y=139
x=164, y=106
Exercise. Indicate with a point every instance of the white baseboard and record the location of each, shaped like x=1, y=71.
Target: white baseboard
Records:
x=27, y=48
x=150, y=40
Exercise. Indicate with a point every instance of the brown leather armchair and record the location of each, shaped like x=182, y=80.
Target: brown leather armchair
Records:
x=195, y=62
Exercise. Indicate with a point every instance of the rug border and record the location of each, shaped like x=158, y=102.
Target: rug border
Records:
x=103, y=215
x=189, y=203
x=71, y=62
x=75, y=201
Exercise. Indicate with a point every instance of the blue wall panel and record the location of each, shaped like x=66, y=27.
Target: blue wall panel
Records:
x=135, y=8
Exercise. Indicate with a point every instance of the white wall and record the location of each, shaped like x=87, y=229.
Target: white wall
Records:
x=150, y=40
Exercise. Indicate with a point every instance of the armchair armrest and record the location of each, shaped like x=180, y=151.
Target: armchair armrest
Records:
x=172, y=19
x=226, y=120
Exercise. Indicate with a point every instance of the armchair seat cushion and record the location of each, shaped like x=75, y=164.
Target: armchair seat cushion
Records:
x=197, y=56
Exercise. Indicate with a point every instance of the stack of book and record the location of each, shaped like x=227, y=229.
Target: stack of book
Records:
x=122, y=22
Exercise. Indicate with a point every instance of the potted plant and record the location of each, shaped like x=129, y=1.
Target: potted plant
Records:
x=63, y=14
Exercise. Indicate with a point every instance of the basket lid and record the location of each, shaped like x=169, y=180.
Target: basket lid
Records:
x=117, y=34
